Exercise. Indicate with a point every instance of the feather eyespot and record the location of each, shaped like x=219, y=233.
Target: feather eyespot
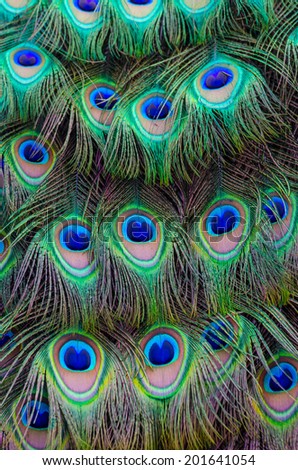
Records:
x=197, y=6
x=35, y=415
x=223, y=219
x=161, y=350
x=154, y=115
x=27, y=58
x=76, y=355
x=280, y=212
x=165, y=360
x=156, y=108
x=140, y=10
x=138, y=228
x=72, y=244
x=218, y=84
x=87, y=5
x=84, y=13
x=100, y=100
x=223, y=228
x=5, y=252
x=104, y=98
x=140, y=237
x=34, y=160
x=6, y=339
x=276, y=209
x=9, y=350
x=219, y=339
x=279, y=388
x=33, y=418
x=27, y=63
x=17, y=5
x=216, y=78
x=218, y=335
x=140, y=2
x=32, y=152
x=281, y=378
x=77, y=362
x=75, y=238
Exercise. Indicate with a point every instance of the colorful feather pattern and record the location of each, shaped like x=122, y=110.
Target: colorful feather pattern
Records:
x=148, y=238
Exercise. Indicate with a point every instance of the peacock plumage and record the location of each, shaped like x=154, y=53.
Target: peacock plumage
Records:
x=148, y=243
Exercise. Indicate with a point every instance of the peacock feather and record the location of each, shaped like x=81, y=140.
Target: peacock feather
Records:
x=148, y=237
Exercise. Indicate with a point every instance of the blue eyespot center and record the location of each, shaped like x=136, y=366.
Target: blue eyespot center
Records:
x=216, y=78
x=35, y=415
x=104, y=98
x=156, y=108
x=6, y=338
x=139, y=229
x=27, y=58
x=77, y=356
x=276, y=209
x=2, y=247
x=77, y=361
x=75, y=237
x=33, y=152
x=87, y=5
x=282, y=377
x=161, y=350
x=140, y=2
x=218, y=334
x=223, y=219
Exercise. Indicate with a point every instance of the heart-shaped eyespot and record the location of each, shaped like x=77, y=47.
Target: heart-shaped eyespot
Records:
x=35, y=415
x=156, y=108
x=281, y=378
x=140, y=2
x=27, y=58
x=154, y=115
x=27, y=64
x=161, y=350
x=78, y=363
x=139, y=236
x=75, y=360
x=32, y=422
x=276, y=209
x=165, y=352
x=138, y=228
x=16, y=6
x=104, y=97
x=75, y=237
x=33, y=159
x=217, y=78
x=217, y=85
x=6, y=255
x=2, y=247
x=223, y=219
x=72, y=244
x=87, y=5
x=220, y=340
x=140, y=10
x=6, y=338
x=281, y=214
x=197, y=6
x=10, y=348
x=100, y=101
x=279, y=389
x=219, y=334
x=223, y=228
x=84, y=13
x=77, y=355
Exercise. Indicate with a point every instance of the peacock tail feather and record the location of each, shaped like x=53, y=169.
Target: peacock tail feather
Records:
x=148, y=237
